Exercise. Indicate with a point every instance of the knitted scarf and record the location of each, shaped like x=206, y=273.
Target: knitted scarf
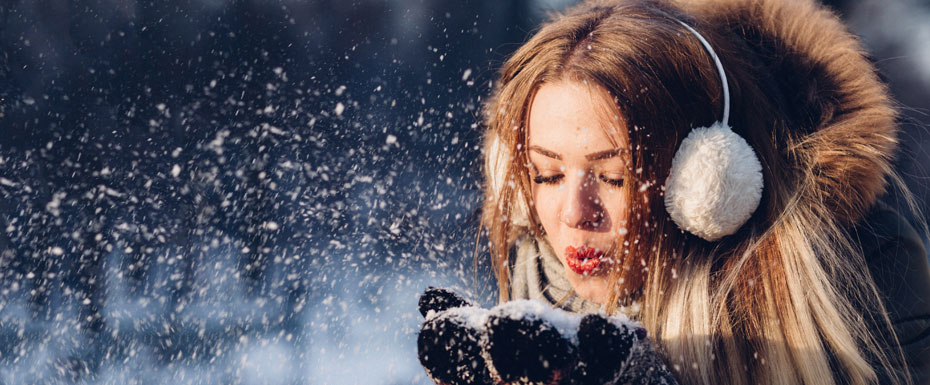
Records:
x=539, y=274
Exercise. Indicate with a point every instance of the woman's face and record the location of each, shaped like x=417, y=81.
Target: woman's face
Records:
x=577, y=175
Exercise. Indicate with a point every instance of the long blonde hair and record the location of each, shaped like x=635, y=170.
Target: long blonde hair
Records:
x=785, y=299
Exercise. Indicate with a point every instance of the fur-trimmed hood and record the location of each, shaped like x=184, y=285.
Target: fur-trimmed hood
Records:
x=847, y=134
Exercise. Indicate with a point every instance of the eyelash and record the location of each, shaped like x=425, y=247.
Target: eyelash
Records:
x=539, y=179
x=614, y=182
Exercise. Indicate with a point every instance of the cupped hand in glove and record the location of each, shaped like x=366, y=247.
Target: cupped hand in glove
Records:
x=450, y=340
x=529, y=342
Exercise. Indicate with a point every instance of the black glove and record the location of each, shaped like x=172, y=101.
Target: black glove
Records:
x=524, y=346
x=529, y=342
x=602, y=340
x=602, y=347
x=449, y=346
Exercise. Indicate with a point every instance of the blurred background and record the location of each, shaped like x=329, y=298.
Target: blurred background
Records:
x=257, y=191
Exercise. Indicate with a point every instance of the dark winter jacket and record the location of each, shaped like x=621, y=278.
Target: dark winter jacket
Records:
x=898, y=262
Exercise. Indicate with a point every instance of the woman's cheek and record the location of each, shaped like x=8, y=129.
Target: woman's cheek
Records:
x=547, y=208
x=614, y=205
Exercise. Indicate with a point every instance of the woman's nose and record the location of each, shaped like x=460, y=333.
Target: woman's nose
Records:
x=582, y=207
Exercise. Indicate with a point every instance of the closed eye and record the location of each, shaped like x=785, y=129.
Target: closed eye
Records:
x=614, y=182
x=539, y=179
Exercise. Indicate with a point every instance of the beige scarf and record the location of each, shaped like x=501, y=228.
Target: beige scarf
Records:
x=539, y=274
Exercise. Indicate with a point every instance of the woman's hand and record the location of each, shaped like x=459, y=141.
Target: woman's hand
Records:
x=450, y=340
x=524, y=346
x=529, y=342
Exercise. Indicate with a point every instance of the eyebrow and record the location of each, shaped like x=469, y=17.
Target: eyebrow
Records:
x=604, y=154
x=546, y=152
x=591, y=157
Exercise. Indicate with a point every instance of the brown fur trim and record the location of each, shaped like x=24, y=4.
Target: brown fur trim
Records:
x=844, y=134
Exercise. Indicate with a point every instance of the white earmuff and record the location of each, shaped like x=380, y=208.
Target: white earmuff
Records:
x=715, y=182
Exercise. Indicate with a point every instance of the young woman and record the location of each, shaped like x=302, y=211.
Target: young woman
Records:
x=711, y=169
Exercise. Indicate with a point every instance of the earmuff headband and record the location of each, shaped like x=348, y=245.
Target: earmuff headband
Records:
x=715, y=182
x=723, y=76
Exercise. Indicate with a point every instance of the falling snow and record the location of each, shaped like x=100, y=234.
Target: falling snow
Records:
x=201, y=195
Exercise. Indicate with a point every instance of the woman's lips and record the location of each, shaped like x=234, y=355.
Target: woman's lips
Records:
x=583, y=260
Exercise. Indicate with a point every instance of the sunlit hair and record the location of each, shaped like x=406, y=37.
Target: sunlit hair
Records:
x=785, y=299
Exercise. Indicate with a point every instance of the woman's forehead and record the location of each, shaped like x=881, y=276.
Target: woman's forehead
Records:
x=575, y=116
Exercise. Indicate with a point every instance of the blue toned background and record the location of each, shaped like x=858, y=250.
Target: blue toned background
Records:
x=256, y=191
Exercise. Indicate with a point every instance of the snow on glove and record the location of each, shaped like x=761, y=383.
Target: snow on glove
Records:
x=450, y=340
x=614, y=350
x=529, y=342
x=604, y=347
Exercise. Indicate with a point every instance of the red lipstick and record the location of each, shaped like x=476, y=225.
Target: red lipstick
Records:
x=583, y=260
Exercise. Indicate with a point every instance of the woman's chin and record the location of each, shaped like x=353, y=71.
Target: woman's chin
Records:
x=590, y=287
x=586, y=275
